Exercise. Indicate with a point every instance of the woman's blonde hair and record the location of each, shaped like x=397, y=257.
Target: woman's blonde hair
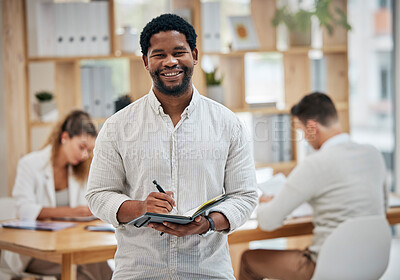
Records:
x=76, y=123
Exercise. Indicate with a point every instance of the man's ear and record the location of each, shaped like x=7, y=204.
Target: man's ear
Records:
x=195, y=55
x=145, y=62
x=312, y=126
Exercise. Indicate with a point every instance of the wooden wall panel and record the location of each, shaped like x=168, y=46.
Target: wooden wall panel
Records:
x=113, y=37
x=344, y=119
x=67, y=87
x=297, y=77
x=199, y=79
x=15, y=83
x=262, y=12
x=140, y=79
x=232, y=69
x=337, y=85
x=339, y=36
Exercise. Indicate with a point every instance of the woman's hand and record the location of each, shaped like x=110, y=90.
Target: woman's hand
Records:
x=81, y=211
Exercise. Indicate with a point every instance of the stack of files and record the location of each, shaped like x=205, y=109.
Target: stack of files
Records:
x=72, y=29
x=211, y=26
x=97, y=90
x=284, y=136
x=272, y=138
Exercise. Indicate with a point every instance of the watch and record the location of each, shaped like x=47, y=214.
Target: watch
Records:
x=211, y=229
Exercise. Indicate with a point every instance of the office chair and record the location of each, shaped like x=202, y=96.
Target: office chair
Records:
x=7, y=212
x=358, y=249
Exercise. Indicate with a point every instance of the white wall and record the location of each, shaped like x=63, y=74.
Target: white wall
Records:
x=3, y=128
x=396, y=32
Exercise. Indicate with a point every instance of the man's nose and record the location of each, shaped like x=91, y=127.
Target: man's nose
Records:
x=170, y=60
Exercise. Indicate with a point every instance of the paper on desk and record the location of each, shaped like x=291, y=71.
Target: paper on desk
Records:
x=274, y=185
x=264, y=174
x=394, y=201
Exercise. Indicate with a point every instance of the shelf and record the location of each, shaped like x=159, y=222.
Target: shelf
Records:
x=262, y=110
x=100, y=120
x=340, y=106
x=41, y=124
x=240, y=53
x=292, y=50
x=78, y=58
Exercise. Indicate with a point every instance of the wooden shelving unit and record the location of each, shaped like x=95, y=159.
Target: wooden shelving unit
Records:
x=67, y=81
x=296, y=63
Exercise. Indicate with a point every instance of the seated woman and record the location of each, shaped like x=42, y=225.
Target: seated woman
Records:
x=51, y=183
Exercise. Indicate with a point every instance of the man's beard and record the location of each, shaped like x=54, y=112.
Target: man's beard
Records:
x=177, y=90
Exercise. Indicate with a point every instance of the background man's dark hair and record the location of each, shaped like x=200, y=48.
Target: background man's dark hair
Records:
x=315, y=106
x=167, y=22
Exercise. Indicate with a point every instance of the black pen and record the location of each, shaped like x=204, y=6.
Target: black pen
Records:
x=160, y=189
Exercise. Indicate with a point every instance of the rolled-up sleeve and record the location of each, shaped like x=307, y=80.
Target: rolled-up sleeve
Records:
x=106, y=189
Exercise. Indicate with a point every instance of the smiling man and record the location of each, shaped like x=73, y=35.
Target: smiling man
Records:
x=194, y=147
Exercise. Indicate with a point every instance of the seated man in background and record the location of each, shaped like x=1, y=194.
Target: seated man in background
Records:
x=341, y=180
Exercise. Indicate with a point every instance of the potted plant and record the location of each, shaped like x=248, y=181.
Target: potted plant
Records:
x=47, y=107
x=298, y=22
x=215, y=90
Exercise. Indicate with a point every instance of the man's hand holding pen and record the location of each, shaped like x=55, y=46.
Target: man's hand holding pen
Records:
x=157, y=202
x=199, y=225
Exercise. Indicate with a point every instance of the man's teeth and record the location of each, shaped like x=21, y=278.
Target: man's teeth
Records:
x=171, y=74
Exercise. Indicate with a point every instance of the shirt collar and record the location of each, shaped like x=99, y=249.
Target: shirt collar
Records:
x=335, y=140
x=156, y=105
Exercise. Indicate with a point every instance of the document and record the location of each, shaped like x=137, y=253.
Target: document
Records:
x=149, y=217
x=76, y=219
x=274, y=185
x=105, y=227
x=37, y=225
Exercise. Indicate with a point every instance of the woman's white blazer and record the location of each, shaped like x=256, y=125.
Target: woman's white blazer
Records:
x=33, y=190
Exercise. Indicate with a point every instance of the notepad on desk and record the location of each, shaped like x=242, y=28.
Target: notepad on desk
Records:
x=104, y=227
x=76, y=219
x=149, y=217
x=37, y=225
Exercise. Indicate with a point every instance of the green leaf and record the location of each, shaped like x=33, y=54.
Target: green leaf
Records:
x=44, y=96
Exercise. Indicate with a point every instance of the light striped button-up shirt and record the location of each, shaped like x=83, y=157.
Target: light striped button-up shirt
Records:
x=206, y=154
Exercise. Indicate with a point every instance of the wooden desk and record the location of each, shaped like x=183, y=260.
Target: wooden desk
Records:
x=238, y=240
x=67, y=247
x=76, y=245
x=293, y=227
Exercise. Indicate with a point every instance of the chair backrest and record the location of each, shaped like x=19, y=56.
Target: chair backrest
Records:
x=358, y=249
x=7, y=208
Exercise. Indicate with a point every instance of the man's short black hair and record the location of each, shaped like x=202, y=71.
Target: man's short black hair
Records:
x=315, y=106
x=167, y=22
